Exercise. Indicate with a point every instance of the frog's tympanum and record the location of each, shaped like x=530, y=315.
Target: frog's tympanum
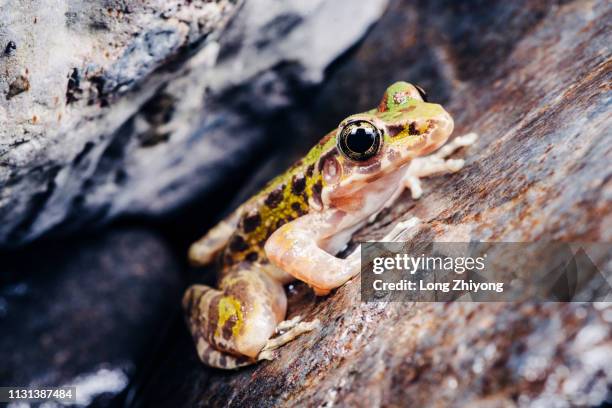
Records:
x=294, y=227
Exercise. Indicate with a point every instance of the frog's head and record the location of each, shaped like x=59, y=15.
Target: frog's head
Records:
x=367, y=146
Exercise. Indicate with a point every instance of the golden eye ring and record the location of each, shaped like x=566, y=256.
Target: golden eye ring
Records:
x=359, y=140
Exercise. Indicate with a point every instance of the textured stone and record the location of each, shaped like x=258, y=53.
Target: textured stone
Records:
x=85, y=313
x=130, y=107
x=533, y=79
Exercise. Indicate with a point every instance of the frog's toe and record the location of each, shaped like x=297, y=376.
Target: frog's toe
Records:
x=299, y=328
x=414, y=184
x=454, y=165
x=266, y=355
x=467, y=139
x=288, y=324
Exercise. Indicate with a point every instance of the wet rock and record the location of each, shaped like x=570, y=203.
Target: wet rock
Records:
x=142, y=106
x=533, y=79
x=84, y=313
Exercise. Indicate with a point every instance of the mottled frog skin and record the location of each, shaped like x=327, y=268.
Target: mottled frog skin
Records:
x=294, y=227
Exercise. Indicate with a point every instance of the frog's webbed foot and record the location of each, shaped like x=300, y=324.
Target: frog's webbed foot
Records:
x=288, y=331
x=436, y=163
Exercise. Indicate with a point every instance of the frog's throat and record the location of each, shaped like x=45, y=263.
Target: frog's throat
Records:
x=356, y=184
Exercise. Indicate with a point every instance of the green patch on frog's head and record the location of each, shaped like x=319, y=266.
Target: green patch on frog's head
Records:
x=377, y=142
x=398, y=94
x=412, y=126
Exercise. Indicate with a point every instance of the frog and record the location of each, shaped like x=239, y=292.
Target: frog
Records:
x=296, y=225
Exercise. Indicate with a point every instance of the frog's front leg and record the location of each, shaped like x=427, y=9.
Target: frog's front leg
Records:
x=230, y=326
x=296, y=248
x=435, y=163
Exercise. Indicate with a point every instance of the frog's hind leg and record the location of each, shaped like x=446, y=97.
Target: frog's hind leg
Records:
x=436, y=163
x=230, y=326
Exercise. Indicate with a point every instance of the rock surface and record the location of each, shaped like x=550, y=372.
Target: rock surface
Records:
x=84, y=313
x=130, y=107
x=533, y=79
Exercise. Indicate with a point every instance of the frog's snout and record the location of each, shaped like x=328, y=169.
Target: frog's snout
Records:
x=446, y=123
x=442, y=128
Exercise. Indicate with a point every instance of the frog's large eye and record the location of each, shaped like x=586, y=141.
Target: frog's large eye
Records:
x=422, y=93
x=359, y=140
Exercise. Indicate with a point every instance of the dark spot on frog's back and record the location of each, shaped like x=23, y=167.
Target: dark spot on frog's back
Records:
x=394, y=130
x=310, y=171
x=251, y=222
x=238, y=244
x=298, y=184
x=297, y=207
x=252, y=256
x=275, y=197
x=412, y=129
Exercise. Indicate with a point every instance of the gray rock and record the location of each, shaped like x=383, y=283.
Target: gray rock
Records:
x=86, y=313
x=136, y=108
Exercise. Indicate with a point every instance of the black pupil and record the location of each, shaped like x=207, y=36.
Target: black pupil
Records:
x=361, y=139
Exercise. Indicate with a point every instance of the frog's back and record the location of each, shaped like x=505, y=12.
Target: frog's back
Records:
x=283, y=199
